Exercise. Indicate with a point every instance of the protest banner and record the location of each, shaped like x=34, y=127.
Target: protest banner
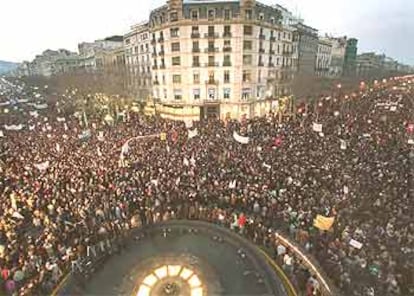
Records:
x=323, y=223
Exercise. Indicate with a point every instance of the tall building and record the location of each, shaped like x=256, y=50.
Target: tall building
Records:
x=305, y=43
x=226, y=59
x=137, y=46
x=350, y=58
x=45, y=63
x=336, y=68
x=323, y=57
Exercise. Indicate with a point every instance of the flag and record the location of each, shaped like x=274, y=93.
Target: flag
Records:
x=192, y=134
x=61, y=119
x=267, y=166
x=343, y=145
x=42, y=166
x=101, y=136
x=1, y=134
x=98, y=150
x=57, y=147
x=323, y=223
x=125, y=148
x=232, y=184
x=317, y=127
x=186, y=162
x=163, y=136
x=240, y=139
x=188, y=123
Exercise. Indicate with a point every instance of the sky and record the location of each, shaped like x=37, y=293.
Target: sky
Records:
x=29, y=27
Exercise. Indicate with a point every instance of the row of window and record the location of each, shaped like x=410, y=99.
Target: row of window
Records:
x=212, y=62
x=211, y=46
x=212, y=93
x=212, y=14
x=247, y=31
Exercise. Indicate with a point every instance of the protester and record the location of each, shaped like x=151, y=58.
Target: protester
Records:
x=65, y=193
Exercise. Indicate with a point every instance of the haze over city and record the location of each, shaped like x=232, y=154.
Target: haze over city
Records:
x=29, y=27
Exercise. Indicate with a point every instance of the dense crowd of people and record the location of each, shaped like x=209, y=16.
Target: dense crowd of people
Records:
x=63, y=190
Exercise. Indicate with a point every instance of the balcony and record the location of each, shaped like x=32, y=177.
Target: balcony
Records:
x=154, y=54
x=271, y=65
x=153, y=41
x=211, y=35
x=154, y=67
x=227, y=35
x=227, y=49
x=162, y=66
x=212, y=82
x=262, y=37
x=272, y=38
x=196, y=65
x=195, y=35
x=212, y=64
x=211, y=49
x=161, y=39
x=261, y=50
x=272, y=52
x=286, y=52
x=261, y=64
x=161, y=53
x=226, y=64
x=156, y=82
x=211, y=101
x=196, y=49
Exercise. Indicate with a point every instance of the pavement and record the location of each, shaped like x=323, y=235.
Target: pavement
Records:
x=226, y=263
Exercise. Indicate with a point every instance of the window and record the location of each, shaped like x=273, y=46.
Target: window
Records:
x=211, y=31
x=277, y=61
x=175, y=46
x=194, y=30
x=211, y=14
x=196, y=78
x=196, y=46
x=246, y=93
x=211, y=93
x=248, y=14
x=165, y=93
x=176, y=78
x=226, y=76
x=247, y=59
x=175, y=32
x=127, y=41
x=136, y=49
x=259, y=76
x=227, y=14
x=211, y=60
x=247, y=45
x=177, y=94
x=226, y=60
x=261, y=16
x=227, y=43
x=196, y=94
x=196, y=61
x=226, y=93
x=246, y=76
x=211, y=45
x=227, y=31
x=194, y=14
x=272, y=20
x=174, y=16
x=248, y=30
x=176, y=61
x=163, y=79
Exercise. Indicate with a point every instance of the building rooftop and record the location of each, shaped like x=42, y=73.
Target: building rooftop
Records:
x=116, y=38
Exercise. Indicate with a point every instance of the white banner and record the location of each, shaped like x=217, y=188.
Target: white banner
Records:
x=343, y=145
x=60, y=119
x=356, y=244
x=13, y=127
x=192, y=134
x=240, y=139
x=42, y=166
x=40, y=106
x=317, y=127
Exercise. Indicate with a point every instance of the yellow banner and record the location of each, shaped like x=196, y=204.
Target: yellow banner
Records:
x=323, y=223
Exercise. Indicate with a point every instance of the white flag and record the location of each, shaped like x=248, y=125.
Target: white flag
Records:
x=193, y=161
x=186, y=162
x=192, y=134
x=99, y=152
x=232, y=184
x=343, y=145
x=177, y=182
x=125, y=148
x=267, y=166
x=240, y=139
x=57, y=147
x=42, y=166
x=317, y=127
x=32, y=127
x=66, y=126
